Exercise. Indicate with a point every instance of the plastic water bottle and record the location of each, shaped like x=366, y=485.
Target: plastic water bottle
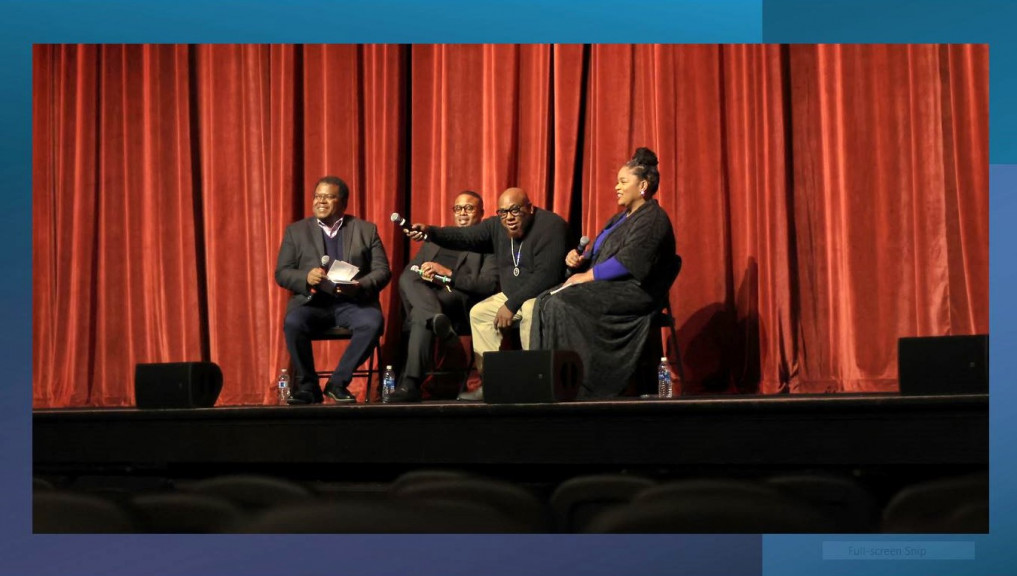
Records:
x=664, y=389
x=387, y=383
x=284, y=386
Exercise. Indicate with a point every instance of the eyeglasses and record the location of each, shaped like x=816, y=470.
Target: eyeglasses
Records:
x=325, y=197
x=468, y=208
x=514, y=210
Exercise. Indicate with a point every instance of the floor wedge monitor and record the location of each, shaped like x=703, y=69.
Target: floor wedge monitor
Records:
x=943, y=364
x=177, y=385
x=531, y=376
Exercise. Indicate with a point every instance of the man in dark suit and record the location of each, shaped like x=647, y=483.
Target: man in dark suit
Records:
x=441, y=292
x=317, y=303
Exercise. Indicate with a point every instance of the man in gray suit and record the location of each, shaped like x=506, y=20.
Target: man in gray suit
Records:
x=317, y=303
x=440, y=293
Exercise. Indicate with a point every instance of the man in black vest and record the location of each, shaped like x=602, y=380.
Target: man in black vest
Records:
x=317, y=303
x=446, y=283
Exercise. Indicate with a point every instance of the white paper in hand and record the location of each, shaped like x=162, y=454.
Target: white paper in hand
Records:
x=342, y=272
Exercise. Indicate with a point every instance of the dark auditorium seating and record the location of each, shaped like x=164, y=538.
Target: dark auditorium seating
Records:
x=426, y=475
x=442, y=501
x=949, y=505
x=512, y=501
x=969, y=518
x=184, y=513
x=840, y=497
x=58, y=512
x=250, y=492
x=41, y=484
x=709, y=506
x=383, y=516
x=577, y=501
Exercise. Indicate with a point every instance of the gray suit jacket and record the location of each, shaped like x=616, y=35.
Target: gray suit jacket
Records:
x=474, y=274
x=303, y=246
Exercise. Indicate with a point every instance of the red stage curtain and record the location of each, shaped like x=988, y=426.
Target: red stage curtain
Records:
x=890, y=186
x=114, y=221
x=826, y=199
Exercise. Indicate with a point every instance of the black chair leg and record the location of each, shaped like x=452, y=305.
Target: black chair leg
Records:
x=375, y=355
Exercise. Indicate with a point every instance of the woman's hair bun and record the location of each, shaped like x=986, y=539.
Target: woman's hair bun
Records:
x=645, y=157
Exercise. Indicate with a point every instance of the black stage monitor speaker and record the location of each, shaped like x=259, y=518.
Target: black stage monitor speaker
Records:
x=943, y=364
x=177, y=385
x=531, y=376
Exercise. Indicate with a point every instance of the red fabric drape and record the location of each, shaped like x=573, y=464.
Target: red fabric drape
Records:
x=826, y=199
x=114, y=230
x=247, y=196
x=891, y=217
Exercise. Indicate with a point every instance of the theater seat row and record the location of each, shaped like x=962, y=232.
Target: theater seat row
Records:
x=442, y=501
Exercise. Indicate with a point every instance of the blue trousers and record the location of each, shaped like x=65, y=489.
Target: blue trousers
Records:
x=365, y=321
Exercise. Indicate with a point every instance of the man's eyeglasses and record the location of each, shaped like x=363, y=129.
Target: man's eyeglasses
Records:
x=468, y=208
x=514, y=210
x=325, y=198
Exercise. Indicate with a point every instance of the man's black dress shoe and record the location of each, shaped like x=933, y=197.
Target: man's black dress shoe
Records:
x=301, y=397
x=442, y=327
x=404, y=392
x=339, y=394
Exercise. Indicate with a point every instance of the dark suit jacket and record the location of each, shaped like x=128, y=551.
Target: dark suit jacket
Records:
x=303, y=246
x=474, y=274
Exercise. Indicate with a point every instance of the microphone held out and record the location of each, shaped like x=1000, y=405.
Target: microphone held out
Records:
x=401, y=222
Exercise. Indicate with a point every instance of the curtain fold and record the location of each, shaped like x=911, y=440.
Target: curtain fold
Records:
x=826, y=199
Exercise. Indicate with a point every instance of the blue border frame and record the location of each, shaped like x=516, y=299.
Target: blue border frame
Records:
x=67, y=21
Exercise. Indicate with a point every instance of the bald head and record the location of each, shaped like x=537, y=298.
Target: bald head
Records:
x=513, y=196
x=515, y=211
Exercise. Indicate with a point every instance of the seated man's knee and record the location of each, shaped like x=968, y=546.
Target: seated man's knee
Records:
x=369, y=320
x=526, y=310
x=406, y=282
x=418, y=316
x=480, y=313
x=294, y=324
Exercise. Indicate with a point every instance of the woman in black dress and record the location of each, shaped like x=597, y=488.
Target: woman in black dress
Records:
x=604, y=310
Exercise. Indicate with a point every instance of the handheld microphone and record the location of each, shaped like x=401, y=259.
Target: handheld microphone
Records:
x=401, y=222
x=583, y=242
x=444, y=279
x=324, y=264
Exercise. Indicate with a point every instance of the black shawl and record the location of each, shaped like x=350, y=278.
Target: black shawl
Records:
x=607, y=322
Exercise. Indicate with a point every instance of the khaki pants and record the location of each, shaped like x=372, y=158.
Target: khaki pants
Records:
x=487, y=338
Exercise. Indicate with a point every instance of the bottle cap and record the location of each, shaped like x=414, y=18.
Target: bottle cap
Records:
x=284, y=369
x=663, y=358
x=388, y=367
